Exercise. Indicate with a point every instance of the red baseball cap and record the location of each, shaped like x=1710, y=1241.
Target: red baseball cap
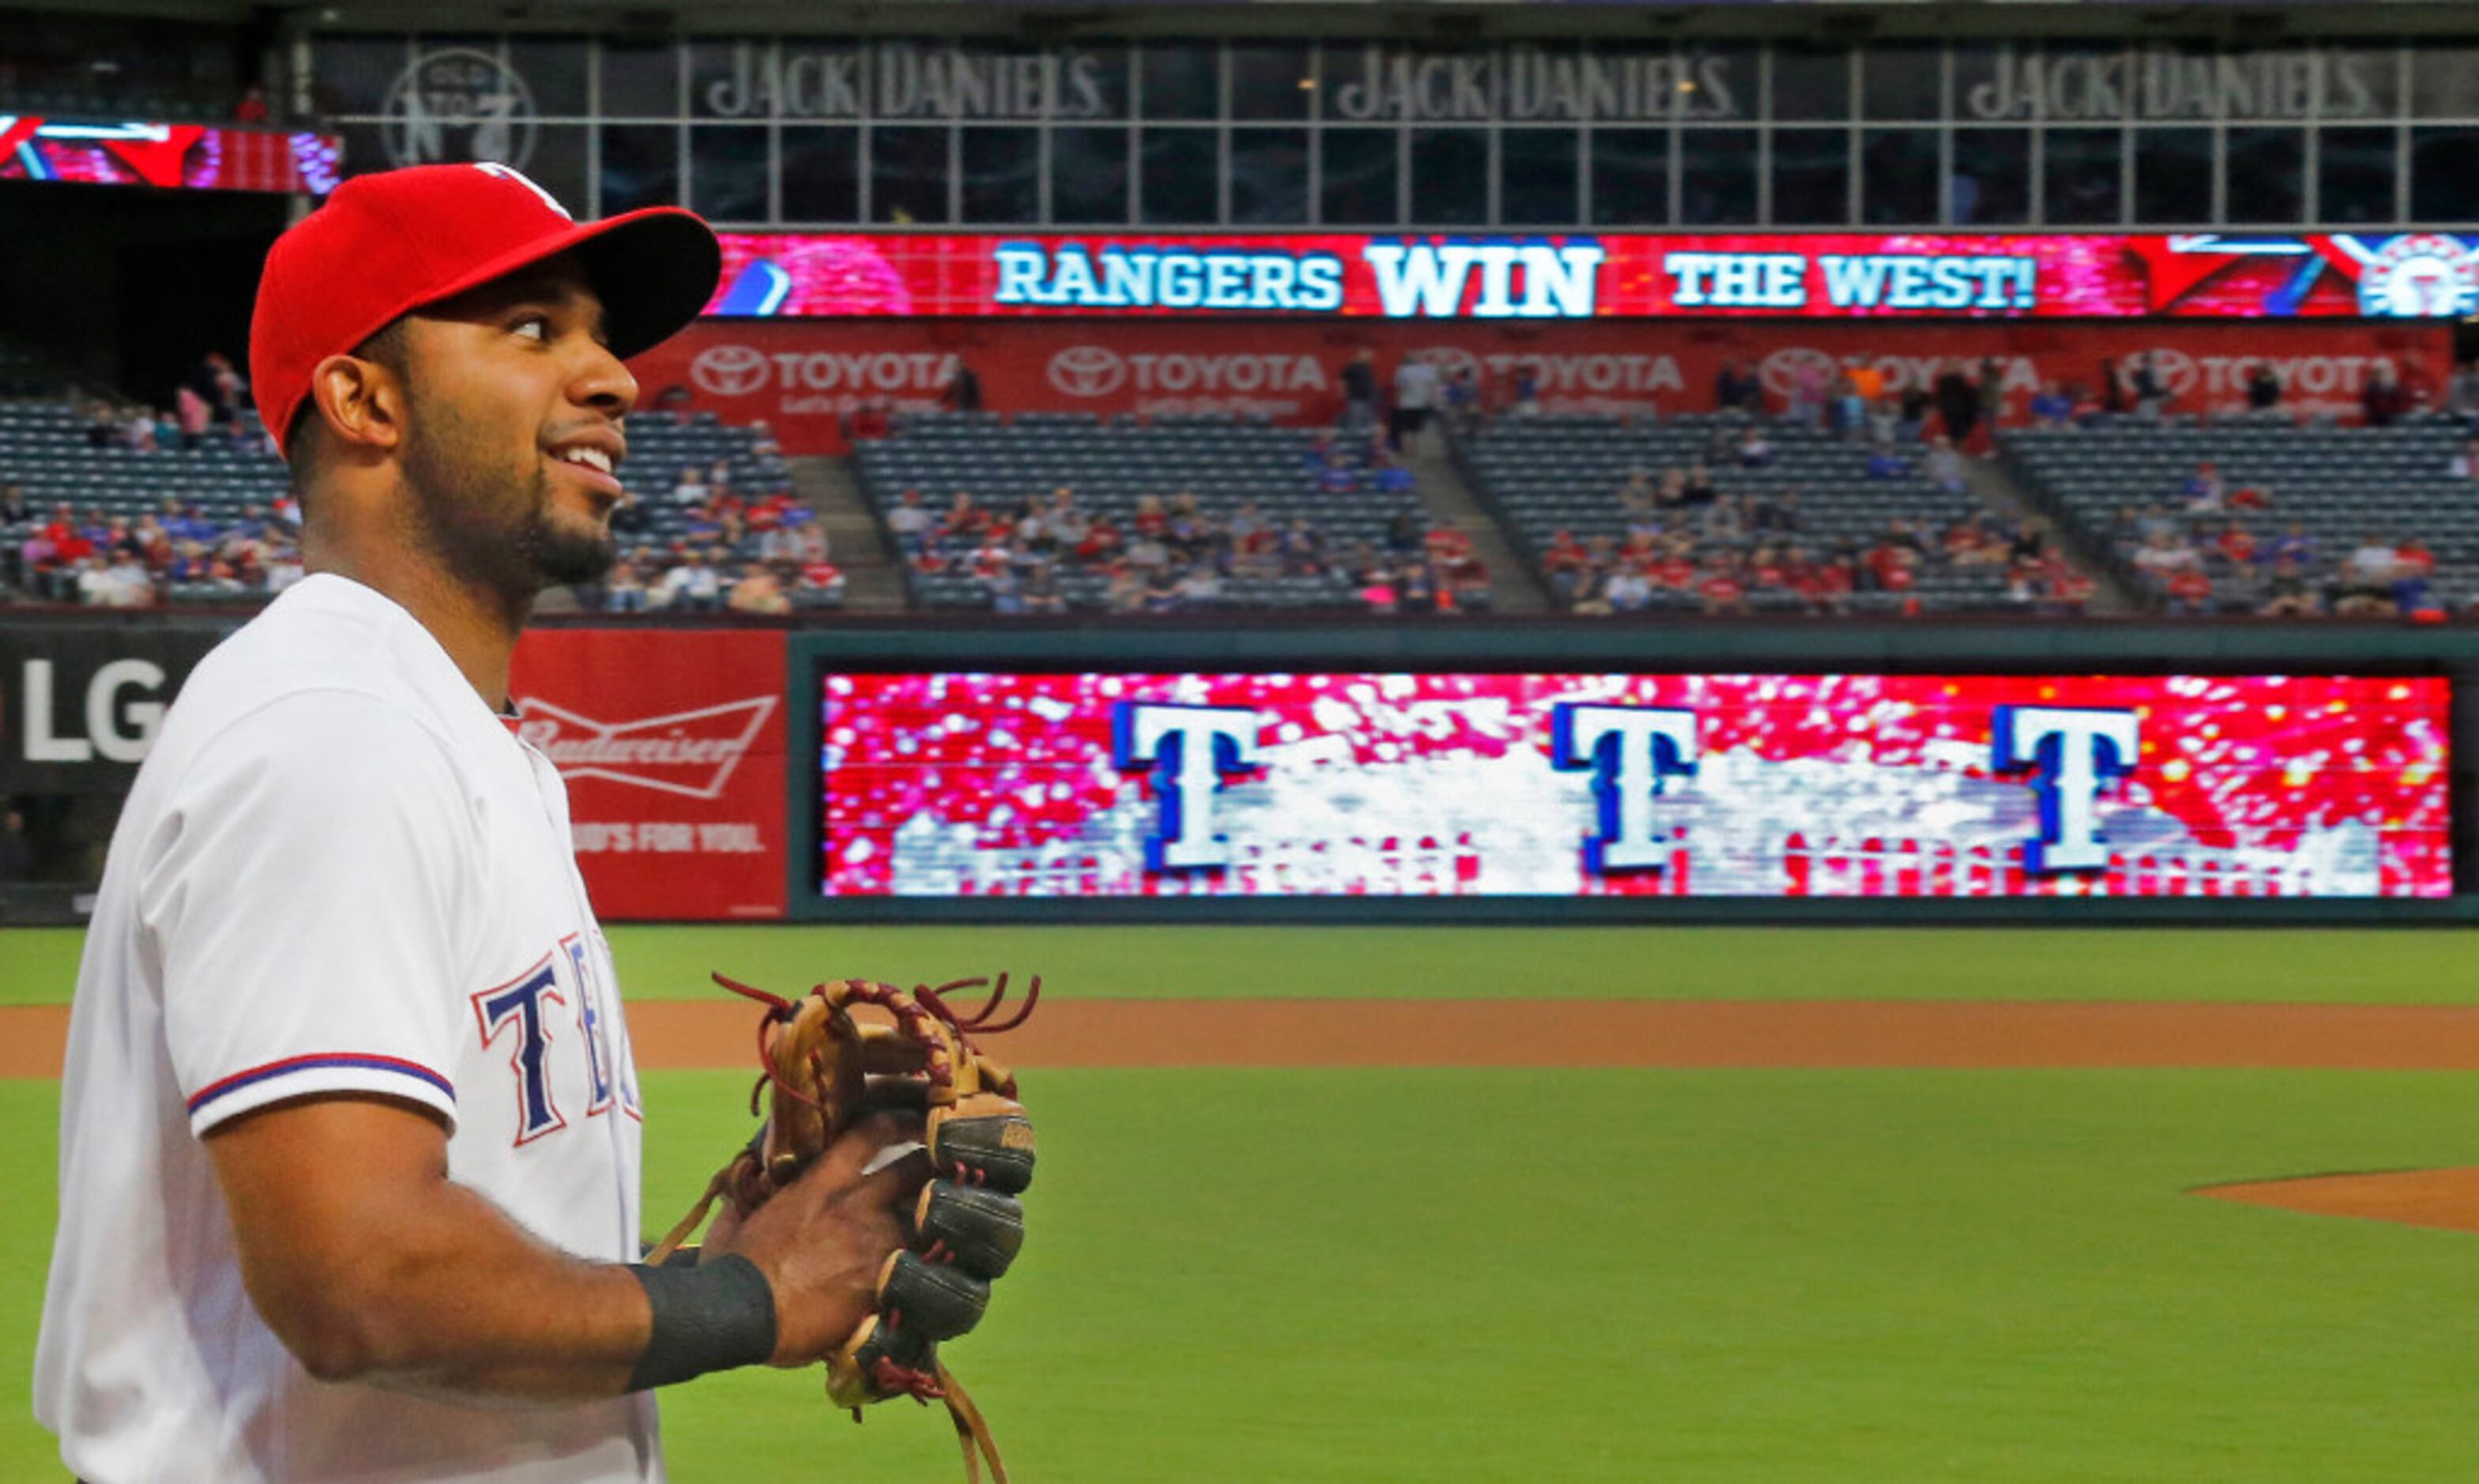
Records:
x=387, y=243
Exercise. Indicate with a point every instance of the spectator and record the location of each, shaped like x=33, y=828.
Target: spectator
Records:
x=1755, y=451
x=14, y=508
x=629, y=516
x=2151, y=391
x=1944, y=465
x=1992, y=399
x=2367, y=578
x=1463, y=401
x=872, y=419
x=2413, y=565
x=2294, y=546
x=2461, y=393
x=1199, y=585
x=1523, y=399
x=1811, y=388
x=2382, y=399
x=1162, y=591
x=1737, y=389
x=759, y=591
x=1696, y=487
x=16, y=851
x=1778, y=514
x=2116, y=399
x=965, y=520
x=1360, y=390
x=2051, y=407
x=1886, y=464
x=252, y=106
x=223, y=387
x=2262, y=388
x=1392, y=478
x=821, y=584
x=2203, y=490
x=1957, y=404
x=1724, y=587
x=1415, y=393
x=962, y=392
x=624, y=586
x=1039, y=592
x=2289, y=595
x=1626, y=590
x=2464, y=465
x=1004, y=587
x=910, y=520
x=194, y=417
x=2190, y=591
x=693, y=586
x=1722, y=520
x=1846, y=411
x=2237, y=544
x=2164, y=554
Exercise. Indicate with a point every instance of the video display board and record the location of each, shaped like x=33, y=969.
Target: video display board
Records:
x=1577, y=276
x=169, y=156
x=961, y=785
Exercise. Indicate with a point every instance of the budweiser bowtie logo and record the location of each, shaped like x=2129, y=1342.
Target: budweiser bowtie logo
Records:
x=687, y=752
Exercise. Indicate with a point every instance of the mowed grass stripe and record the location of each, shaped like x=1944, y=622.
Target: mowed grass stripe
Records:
x=1780, y=1277
x=2236, y=965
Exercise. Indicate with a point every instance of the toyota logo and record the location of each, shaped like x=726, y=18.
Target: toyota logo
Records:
x=1088, y=370
x=2175, y=368
x=730, y=370
x=1781, y=371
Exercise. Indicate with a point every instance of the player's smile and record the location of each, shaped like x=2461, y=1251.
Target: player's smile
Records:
x=593, y=459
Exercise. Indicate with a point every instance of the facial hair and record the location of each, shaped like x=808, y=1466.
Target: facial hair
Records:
x=492, y=524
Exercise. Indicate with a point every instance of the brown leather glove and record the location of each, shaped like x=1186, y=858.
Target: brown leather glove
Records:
x=852, y=1048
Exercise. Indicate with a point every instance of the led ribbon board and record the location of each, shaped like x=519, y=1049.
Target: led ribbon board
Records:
x=1519, y=279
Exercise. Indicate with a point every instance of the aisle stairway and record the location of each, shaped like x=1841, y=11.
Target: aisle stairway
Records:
x=1450, y=501
x=855, y=542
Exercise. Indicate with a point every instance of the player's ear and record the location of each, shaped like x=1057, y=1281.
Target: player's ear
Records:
x=361, y=401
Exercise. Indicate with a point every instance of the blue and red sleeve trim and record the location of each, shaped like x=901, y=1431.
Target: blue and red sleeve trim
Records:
x=362, y=1061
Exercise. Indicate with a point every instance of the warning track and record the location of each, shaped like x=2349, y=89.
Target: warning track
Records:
x=1070, y=1033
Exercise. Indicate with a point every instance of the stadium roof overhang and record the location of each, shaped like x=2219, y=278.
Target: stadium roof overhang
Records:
x=1432, y=21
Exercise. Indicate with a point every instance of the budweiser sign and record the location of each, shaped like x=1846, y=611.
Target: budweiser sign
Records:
x=687, y=752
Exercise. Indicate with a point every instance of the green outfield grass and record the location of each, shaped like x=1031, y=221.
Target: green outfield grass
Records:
x=2306, y=965
x=1770, y=1276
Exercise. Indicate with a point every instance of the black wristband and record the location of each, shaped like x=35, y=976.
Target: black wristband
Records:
x=713, y=1317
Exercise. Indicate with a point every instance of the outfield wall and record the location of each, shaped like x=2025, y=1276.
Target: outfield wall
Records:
x=1512, y=770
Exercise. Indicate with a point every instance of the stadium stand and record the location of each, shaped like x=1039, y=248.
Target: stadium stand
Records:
x=85, y=467
x=1178, y=513
x=2262, y=516
x=1867, y=528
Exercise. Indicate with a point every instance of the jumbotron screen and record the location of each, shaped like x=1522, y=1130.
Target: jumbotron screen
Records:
x=961, y=785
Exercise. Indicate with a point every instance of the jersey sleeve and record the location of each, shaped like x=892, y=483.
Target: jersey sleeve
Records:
x=305, y=894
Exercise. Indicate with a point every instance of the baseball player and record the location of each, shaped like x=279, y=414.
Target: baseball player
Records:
x=349, y=1129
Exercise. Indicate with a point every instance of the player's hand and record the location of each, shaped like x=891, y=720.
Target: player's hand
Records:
x=821, y=1240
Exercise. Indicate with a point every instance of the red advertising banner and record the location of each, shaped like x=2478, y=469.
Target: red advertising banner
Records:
x=672, y=745
x=806, y=379
x=1583, y=276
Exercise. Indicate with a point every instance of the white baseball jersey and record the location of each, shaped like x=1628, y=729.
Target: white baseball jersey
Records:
x=338, y=871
